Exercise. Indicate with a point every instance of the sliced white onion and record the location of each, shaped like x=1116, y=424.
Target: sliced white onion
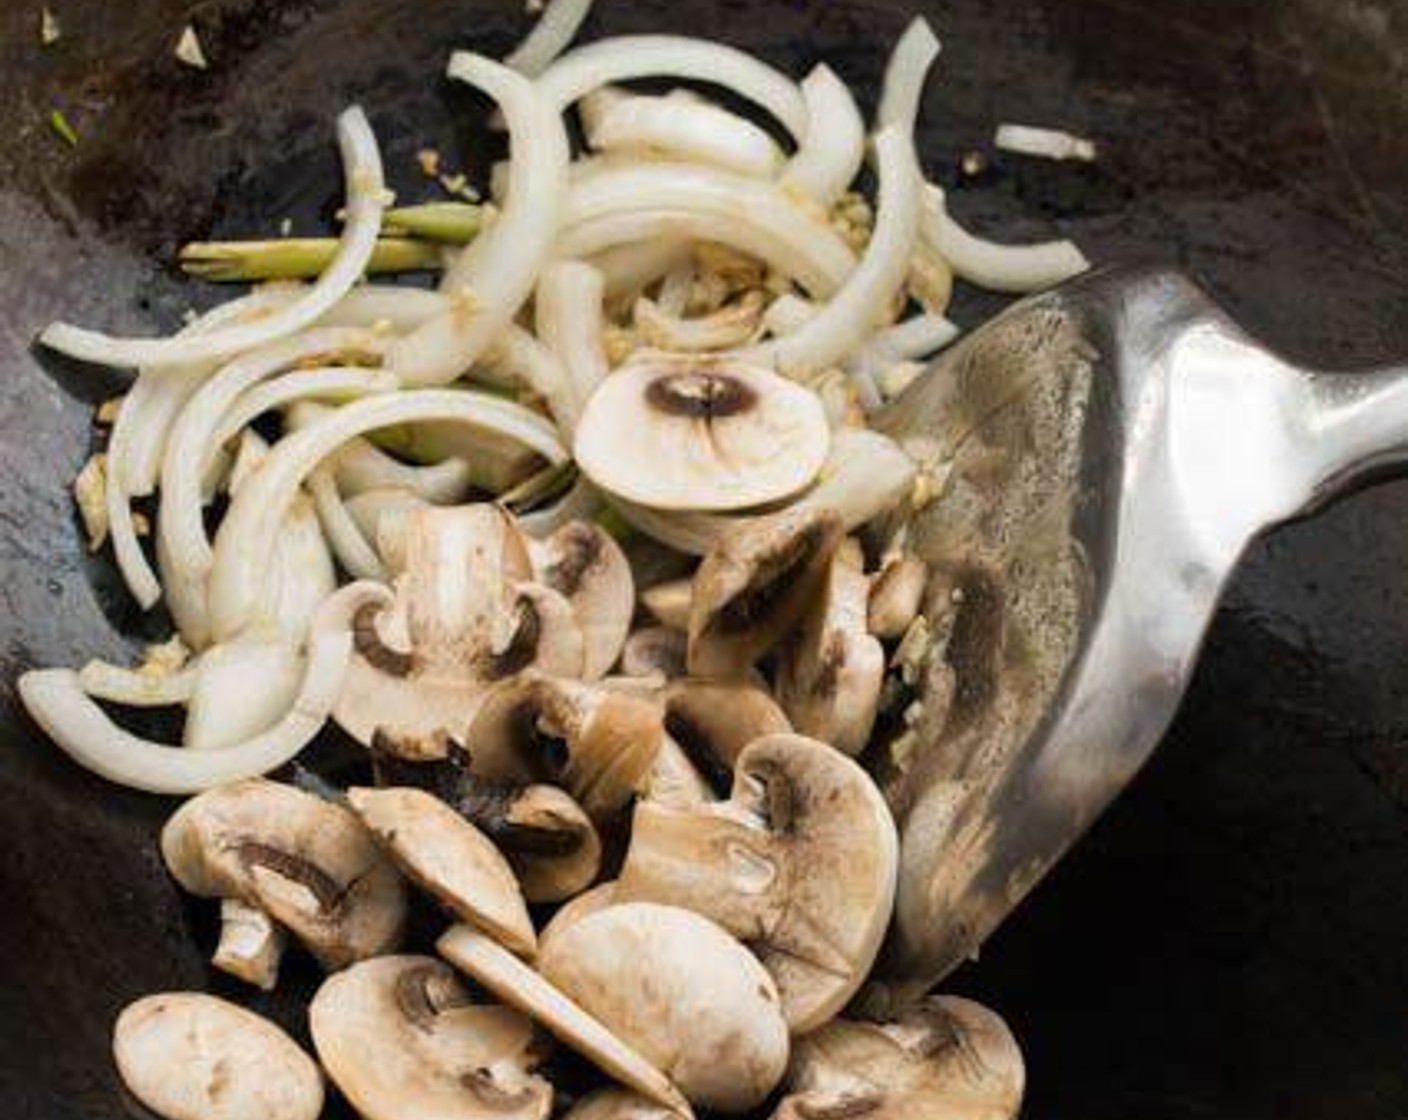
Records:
x=788, y=313
x=627, y=57
x=850, y=315
x=732, y=325
x=551, y=35
x=366, y=198
x=298, y=576
x=1000, y=268
x=56, y=701
x=349, y=545
x=905, y=75
x=242, y=688
x=631, y=266
x=369, y=305
x=368, y=509
x=581, y=503
x=1044, y=143
x=915, y=337
x=247, y=534
x=361, y=465
x=326, y=383
x=518, y=358
x=675, y=290
x=137, y=688
x=679, y=127
x=831, y=152
x=491, y=279
x=568, y=310
x=250, y=454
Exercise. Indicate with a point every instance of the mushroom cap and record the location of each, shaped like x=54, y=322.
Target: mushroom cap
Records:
x=590, y=901
x=681, y=990
x=669, y=601
x=945, y=1057
x=701, y=432
x=896, y=594
x=655, y=652
x=583, y=563
x=520, y=986
x=306, y=862
x=191, y=1056
x=599, y=744
x=401, y=1039
x=447, y=856
x=755, y=584
x=251, y=945
x=800, y=864
x=615, y=1103
x=713, y=720
x=831, y=673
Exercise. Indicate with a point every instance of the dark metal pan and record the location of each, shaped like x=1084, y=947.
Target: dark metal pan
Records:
x=1228, y=942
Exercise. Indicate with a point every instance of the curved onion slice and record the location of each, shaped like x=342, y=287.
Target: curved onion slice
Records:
x=242, y=688
x=400, y=308
x=136, y=688
x=56, y=701
x=732, y=325
x=368, y=511
x=366, y=199
x=915, y=337
x=489, y=281
x=357, y=557
x=999, y=268
x=581, y=503
x=632, y=265
x=850, y=315
x=333, y=382
x=905, y=75
x=551, y=35
x=568, y=309
x=680, y=126
x=518, y=358
x=830, y=155
x=250, y=525
x=361, y=465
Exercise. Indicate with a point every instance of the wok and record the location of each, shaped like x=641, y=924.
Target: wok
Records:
x=1227, y=942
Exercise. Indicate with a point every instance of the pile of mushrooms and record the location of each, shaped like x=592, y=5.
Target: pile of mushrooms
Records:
x=641, y=821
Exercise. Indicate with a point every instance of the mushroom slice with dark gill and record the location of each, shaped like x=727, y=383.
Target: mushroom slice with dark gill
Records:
x=713, y=720
x=402, y=1039
x=655, y=653
x=443, y=853
x=945, y=1057
x=706, y=432
x=583, y=564
x=752, y=587
x=306, y=862
x=800, y=864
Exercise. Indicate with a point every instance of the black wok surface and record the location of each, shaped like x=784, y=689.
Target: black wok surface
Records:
x=1229, y=941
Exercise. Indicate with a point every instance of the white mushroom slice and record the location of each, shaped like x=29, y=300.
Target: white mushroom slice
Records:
x=548, y=839
x=617, y=1104
x=190, y=1056
x=574, y=910
x=670, y=602
x=656, y=652
x=677, y=987
x=830, y=675
x=754, y=585
x=597, y=744
x=464, y=618
x=443, y=853
x=507, y=977
x=800, y=864
x=896, y=594
x=674, y=779
x=583, y=564
x=306, y=862
x=946, y=1057
x=706, y=432
x=712, y=721
x=402, y=1040
x=251, y=945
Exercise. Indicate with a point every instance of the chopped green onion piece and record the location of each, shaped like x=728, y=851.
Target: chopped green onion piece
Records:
x=59, y=123
x=297, y=258
x=454, y=223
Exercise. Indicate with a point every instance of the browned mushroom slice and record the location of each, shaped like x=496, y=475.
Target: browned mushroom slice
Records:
x=754, y=585
x=588, y=902
x=706, y=432
x=830, y=674
x=713, y=720
x=946, y=1057
x=655, y=653
x=674, y=779
x=451, y=859
x=402, y=1040
x=617, y=1104
x=800, y=864
x=251, y=944
x=308, y=863
x=669, y=602
x=896, y=594
x=582, y=563
x=190, y=1056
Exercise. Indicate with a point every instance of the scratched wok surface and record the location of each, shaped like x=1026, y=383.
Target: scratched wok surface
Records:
x=1228, y=942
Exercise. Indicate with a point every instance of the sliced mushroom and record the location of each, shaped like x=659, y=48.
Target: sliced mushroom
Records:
x=656, y=652
x=713, y=720
x=190, y=1056
x=674, y=780
x=946, y=1057
x=309, y=864
x=466, y=616
x=507, y=977
x=548, y=839
x=617, y=1104
x=896, y=593
x=669, y=602
x=582, y=563
x=251, y=944
x=754, y=585
x=588, y=902
x=597, y=743
x=451, y=859
x=830, y=674
x=800, y=864
x=403, y=1041
x=706, y=432
x=677, y=987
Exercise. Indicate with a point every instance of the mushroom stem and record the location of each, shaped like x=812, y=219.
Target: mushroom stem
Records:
x=251, y=944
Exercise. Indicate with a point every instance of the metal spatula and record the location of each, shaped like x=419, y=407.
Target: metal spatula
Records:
x=1104, y=453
